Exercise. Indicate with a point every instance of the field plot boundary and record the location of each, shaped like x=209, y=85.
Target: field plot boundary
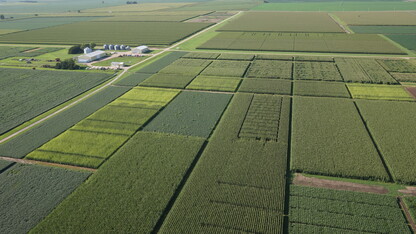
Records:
x=115, y=79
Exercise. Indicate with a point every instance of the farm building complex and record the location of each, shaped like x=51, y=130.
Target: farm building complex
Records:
x=86, y=58
x=140, y=50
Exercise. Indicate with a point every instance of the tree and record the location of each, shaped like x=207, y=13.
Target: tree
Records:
x=76, y=49
x=2, y=17
x=67, y=64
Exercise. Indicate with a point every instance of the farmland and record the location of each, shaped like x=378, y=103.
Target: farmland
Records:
x=303, y=42
x=18, y=92
x=283, y=22
x=246, y=116
x=157, y=33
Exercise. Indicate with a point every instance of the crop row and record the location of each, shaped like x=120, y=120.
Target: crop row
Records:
x=94, y=139
x=218, y=196
x=330, y=138
x=316, y=71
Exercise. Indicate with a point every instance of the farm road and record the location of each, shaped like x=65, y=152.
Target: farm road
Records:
x=112, y=81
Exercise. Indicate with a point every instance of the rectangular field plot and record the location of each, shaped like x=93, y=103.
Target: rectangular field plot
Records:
x=403, y=66
x=384, y=29
x=226, y=68
x=41, y=22
x=377, y=18
x=270, y=69
x=24, y=94
x=218, y=196
x=29, y=193
x=386, y=92
x=283, y=22
x=161, y=63
x=316, y=71
x=190, y=67
x=404, y=77
x=133, y=79
x=129, y=181
x=320, y=89
x=191, y=113
x=196, y=55
x=302, y=42
x=314, y=59
x=157, y=33
x=363, y=71
x=274, y=57
x=317, y=210
x=271, y=86
x=93, y=140
x=407, y=41
x=179, y=81
x=411, y=205
x=244, y=57
x=12, y=51
x=215, y=83
x=392, y=125
x=329, y=138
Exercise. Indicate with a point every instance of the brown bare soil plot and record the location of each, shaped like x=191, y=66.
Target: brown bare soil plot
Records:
x=338, y=185
x=412, y=91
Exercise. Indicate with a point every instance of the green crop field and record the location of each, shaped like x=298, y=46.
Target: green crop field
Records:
x=244, y=57
x=270, y=69
x=226, y=68
x=302, y=42
x=330, y=6
x=393, y=134
x=40, y=22
x=411, y=204
x=330, y=211
x=30, y=192
x=271, y=86
x=28, y=93
x=128, y=182
x=191, y=113
x=316, y=71
x=157, y=33
x=91, y=142
x=329, y=138
x=179, y=81
x=387, y=92
x=215, y=83
x=283, y=22
x=320, y=89
x=404, y=77
x=219, y=193
x=378, y=18
x=191, y=67
x=12, y=51
x=403, y=66
x=366, y=29
x=196, y=55
x=407, y=41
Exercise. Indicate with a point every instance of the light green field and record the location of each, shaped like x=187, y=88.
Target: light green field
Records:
x=382, y=92
x=127, y=60
x=214, y=83
x=337, y=6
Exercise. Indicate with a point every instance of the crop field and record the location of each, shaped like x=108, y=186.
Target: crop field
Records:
x=330, y=6
x=407, y=41
x=161, y=63
x=191, y=113
x=270, y=69
x=91, y=142
x=244, y=57
x=28, y=93
x=313, y=59
x=219, y=192
x=30, y=192
x=302, y=42
x=270, y=86
x=403, y=66
x=274, y=57
x=137, y=7
x=104, y=203
x=411, y=204
x=329, y=138
x=191, y=67
x=40, y=22
x=155, y=16
x=283, y=22
x=227, y=68
x=320, y=89
x=404, y=77
x=364, y=71
x=393, y=134
x=316, y=71
x=377, y=18
x=157, y=33
x=316, y=210
x=371, y=29
x=383, y=92
x=215, y=83
x=166, y=80
x=9, y=51
x=196, y=55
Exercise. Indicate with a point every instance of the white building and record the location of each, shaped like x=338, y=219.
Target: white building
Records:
x=87, y=50
x=117, y=64
x=86, y=58
x=140, y=50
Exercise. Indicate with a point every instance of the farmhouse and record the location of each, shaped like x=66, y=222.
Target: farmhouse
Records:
x=140, y=50
x=86, y=58
x=87, y=50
